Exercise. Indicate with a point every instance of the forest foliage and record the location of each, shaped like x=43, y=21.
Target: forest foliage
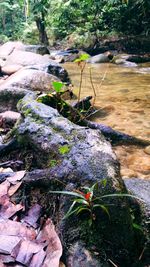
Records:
x=40, y=20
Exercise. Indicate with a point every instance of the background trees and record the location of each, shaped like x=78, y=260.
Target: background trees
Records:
x=33, y=19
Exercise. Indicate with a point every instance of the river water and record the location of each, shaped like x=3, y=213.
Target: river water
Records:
x=123, y=101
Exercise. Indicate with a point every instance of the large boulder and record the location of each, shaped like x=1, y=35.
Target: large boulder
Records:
x=29, y=59
x=75, y=156
x=7, y=48
x=21, y=82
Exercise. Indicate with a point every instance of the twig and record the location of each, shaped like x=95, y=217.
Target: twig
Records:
x=81, y=76
x=141, y=255
x=104, y=76
x=113, y=263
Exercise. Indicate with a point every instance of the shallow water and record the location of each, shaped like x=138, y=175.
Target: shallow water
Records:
x=123, y=100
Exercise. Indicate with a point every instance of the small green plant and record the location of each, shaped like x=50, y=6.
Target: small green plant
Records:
x=87, y=201
x=58, y=86
x=81, y=61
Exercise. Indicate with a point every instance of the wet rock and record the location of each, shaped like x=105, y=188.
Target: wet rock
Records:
x=122, y=61
x=138, y=59
x=101, y=58
x=147, y=150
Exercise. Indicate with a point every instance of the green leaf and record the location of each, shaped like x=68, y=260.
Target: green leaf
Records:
x=137, y=227
x=121, y=195
x=67, y=193
x=81, y=209
x=82, y=201
x=104, y=182
x=70, y=209
x=68, y=214
x=83, y=57
x=57, y=86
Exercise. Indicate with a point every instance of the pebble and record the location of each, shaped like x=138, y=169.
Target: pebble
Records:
x=147, y=150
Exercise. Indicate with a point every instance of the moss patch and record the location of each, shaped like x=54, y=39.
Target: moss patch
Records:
x=64, y=149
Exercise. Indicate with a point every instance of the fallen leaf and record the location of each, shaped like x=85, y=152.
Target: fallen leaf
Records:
x=4, y=188
x=7, y=243
x=13, y=228
x=26, y=252
x=1, y=264
x=16, y=177
x=12, y=190
x=9, y=209
x=54, y=249
x=38, y=258
x=6, y=258
x=33, y=215
x=5, y=170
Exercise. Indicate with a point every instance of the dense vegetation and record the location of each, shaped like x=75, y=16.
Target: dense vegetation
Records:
x=30, y=20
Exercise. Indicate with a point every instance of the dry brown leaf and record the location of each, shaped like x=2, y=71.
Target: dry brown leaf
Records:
x=7, y=243
x=54, y=249
x=9, y=209
x=4, y=188
x=16, y=177
x=33, y=215
x=1, y=264
x=6, y=258
x=26, y=252
x=38, y=258
x=13, y=228
x=5, y=170
x=12, y=190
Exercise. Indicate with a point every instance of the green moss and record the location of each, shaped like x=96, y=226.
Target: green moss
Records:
x=64, y=149
x=52, y=163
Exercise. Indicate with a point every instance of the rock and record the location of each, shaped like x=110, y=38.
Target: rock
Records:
x=21, y=82
x=30, y=79
x=121, y=61
x=147, y=150
x=10, y=69
x=9, y=97
x=10, y=117
x=141, y=188
x=139, y=59
x=77, y=156
x=7, y=48
x=27, y=58
x=32, y=60
x=38, y=49
x=80, y=256
x=2, y=62
x=101, y=58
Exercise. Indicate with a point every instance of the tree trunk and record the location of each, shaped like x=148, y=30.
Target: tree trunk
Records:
x=40, y=23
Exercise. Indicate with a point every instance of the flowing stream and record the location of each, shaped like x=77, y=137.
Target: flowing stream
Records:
x=123, y=101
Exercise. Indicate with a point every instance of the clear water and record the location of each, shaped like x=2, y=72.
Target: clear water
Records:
x=123, y=100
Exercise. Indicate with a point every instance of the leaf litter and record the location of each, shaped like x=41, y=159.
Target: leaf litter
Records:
x=23, y=241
